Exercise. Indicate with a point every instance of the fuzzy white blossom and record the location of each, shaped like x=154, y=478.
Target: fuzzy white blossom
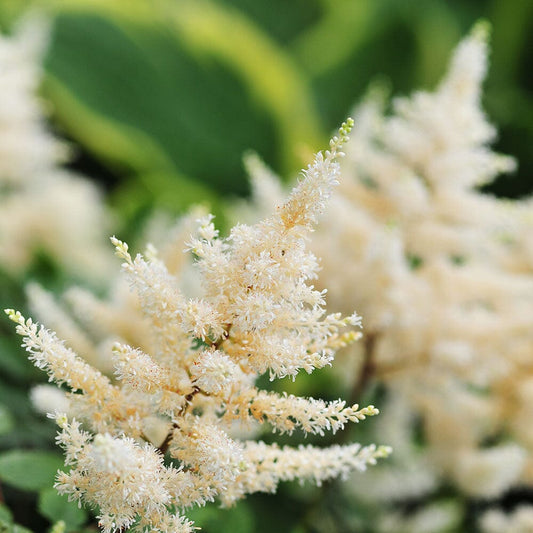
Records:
x=49, y=399
x=43, y=207
x=489, y=473
x=214, y=371
x=443, y=274
x=520, y=520
x=441, y=517
x=125, y=480
x=185, y=369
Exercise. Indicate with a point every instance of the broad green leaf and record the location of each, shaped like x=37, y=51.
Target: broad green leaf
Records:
x=275, y=78
x=139, y=99
x=179, y=88
x=344, y=27
x=29, y=470
x=282, y=20
x=56, y=507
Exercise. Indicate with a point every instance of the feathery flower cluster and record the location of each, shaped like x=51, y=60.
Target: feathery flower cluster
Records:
x=443, y=275
x=185, y=371
x=42, y=206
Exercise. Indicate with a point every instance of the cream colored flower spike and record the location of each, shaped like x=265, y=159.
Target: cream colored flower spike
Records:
x=195, y=374
x=442, y=273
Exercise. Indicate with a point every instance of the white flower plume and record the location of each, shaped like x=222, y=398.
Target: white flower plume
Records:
x=186, y=368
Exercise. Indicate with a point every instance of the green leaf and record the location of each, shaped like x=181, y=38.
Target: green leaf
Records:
x=6, y=420
x=56, y=507
x=29, y=470
x=344, y=27
x=182, y=88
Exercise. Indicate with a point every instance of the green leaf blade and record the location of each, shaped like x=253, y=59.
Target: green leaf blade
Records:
x=29, y=470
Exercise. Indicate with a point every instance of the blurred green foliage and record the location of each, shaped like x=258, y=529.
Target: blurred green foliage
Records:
x=172, y=97
x=168, y=95
x=56, y=507
x=180, y=88
x=162, y=98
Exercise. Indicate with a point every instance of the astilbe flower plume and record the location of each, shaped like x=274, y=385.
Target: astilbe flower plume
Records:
x=443, y=274
x=193, y=373
x=448, y=304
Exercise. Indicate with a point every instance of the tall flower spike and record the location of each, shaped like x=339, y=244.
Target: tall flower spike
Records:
x=194, y=375
x=442, y=273
x=308, y=199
